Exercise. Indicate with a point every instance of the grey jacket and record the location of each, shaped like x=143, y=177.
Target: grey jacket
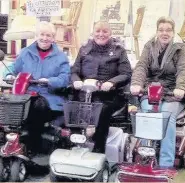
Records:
x=171, y=72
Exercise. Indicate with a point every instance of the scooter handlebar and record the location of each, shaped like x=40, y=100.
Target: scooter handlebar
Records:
x=38, y=82
x=10, y=81
x=145, y=92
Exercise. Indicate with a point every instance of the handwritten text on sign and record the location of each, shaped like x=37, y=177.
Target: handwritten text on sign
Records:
x=43, y=7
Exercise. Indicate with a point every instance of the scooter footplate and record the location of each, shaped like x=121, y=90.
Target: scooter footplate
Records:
x=130, y=172
x=134, y=177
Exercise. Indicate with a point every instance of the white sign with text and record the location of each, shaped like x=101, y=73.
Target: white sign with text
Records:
x=43, y=7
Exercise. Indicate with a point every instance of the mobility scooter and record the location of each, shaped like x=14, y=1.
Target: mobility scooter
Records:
x=15, y=160
x=151, y=126
x=80, y=162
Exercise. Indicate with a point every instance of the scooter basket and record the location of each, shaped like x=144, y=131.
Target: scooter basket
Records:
x=150, y=125
x=81, y=114
x=14, y=109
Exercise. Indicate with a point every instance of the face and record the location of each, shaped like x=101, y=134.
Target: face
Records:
x=101, y=34
x=165, y=33
x=45, y=38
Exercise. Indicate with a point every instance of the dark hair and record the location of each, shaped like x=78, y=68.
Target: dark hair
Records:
x=166, y=20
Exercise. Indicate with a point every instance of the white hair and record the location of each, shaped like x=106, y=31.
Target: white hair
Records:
x=46, y=24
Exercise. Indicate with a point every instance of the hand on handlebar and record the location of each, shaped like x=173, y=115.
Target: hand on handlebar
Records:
x=78, y=85
x=135, y=89
x=178, y=93
x=43, y=80
x=106, y=86
x=10, y=77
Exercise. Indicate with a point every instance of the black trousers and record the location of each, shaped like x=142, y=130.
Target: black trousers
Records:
x=39, y=114
x=102, y=129
x=111, y=103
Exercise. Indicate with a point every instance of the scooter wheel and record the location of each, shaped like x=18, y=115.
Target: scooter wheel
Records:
x=103, y=175
x=3, y=171
x=53, y=177
x=18, y=171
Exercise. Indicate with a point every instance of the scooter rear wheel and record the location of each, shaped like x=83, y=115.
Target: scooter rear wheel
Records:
x=18, y=171
x=1, y=170
x=103, y=175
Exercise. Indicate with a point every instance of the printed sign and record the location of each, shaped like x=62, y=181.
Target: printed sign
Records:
x=110, y=11
x=43, y=7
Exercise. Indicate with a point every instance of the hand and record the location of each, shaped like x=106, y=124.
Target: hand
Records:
x=132, y=109
x=178, y=93
x=43, y=80
x=135, y=89
x=10, y=77
x=106, y=86
x=77, y=85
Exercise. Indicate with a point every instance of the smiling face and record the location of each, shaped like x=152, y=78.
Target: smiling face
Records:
x=45, y=37
x=101, y=33
x=165, y=33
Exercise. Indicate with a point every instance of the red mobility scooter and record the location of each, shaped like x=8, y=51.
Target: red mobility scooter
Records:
x=15, y=161
x=144, y=167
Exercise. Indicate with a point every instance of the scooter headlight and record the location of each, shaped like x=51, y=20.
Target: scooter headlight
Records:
x=78, y=138
x=11, y=136
x=146, y=151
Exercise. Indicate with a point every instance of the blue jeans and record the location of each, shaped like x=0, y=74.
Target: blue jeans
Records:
x=167, y=151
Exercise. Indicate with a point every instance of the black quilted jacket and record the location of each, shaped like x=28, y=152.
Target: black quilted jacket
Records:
x=104, y=63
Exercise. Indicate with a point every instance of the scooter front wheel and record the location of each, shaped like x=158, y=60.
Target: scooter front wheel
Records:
x=53, y=177
x=18, y=171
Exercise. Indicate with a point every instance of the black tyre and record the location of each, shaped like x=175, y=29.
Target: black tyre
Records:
x=18, y=171
x=53, y=177
x=1, y=170
x=103, y=175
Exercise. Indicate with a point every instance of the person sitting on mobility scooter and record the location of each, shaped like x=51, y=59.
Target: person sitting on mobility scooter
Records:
x=104, y=59
x=47, y=64
x=162, y=61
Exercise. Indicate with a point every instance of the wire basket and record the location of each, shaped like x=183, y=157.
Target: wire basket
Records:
x=14, y=109
x=150, y=125
x=81, y=114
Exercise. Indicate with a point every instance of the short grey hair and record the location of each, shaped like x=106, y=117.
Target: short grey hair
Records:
x=49, y=26
x=166, y=20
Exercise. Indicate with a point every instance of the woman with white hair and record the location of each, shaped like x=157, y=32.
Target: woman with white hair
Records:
x=46, y=63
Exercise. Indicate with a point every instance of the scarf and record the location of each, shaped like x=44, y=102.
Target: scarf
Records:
x=156, y=49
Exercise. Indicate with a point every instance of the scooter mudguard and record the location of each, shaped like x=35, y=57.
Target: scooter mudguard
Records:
x=21, y=83
x=76, y=163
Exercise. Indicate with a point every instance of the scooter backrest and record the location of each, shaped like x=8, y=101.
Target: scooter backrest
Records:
x=21, y=83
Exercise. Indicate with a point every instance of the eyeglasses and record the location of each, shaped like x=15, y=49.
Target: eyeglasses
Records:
x=167, y=30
